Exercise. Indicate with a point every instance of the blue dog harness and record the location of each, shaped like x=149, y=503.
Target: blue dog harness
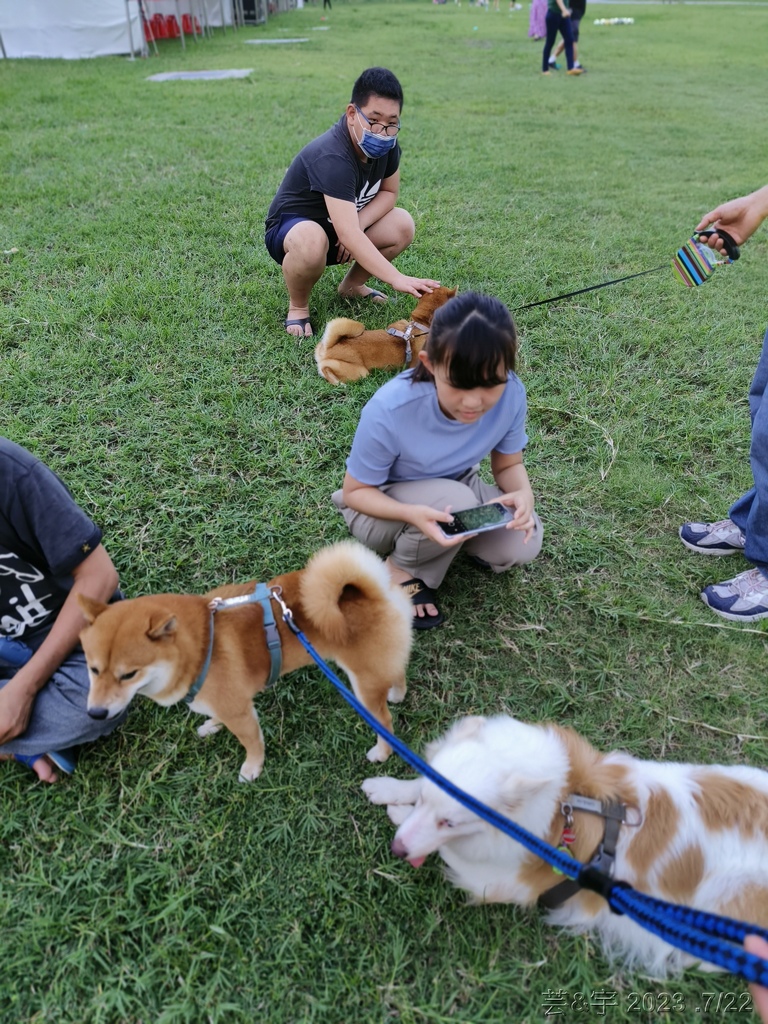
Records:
x=261, y=595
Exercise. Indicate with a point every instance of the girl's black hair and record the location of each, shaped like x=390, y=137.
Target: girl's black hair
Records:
x=474, y=339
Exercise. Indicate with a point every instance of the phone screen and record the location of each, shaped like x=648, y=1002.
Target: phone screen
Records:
x=475, y=520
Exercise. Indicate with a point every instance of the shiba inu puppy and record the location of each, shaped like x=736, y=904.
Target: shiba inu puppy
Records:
x=172, y=647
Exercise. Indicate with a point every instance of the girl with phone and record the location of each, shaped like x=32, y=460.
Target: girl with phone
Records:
x=417, y=449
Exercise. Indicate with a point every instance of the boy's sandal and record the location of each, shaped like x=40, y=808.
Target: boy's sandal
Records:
x=372, y=295
x=421, y=594
x=300, y=321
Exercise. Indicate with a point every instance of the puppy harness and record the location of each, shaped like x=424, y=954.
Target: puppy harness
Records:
x=263, y=596
x=604, y=857
x=407, y=334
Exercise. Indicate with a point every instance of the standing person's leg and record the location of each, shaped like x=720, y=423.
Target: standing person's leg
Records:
x=750, y=512
x=574, y=23
x=552, y=22
x=391, y=235
x=745, y=597
x=565, y=31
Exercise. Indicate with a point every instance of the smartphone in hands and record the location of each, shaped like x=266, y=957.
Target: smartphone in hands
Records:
x=478, y=519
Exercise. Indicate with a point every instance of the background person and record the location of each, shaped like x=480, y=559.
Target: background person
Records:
x=537, y=21
x=558, y=20
x=337, y=204
x=578, y=9
x=50, y=551
x=417, y=449
x=744, y=598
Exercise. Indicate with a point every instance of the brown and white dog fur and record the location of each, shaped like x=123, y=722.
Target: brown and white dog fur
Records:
x=702, y=840
x=343, y=601
x=348, y=352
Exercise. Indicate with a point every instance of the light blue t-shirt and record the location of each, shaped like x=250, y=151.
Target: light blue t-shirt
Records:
x=403, y=434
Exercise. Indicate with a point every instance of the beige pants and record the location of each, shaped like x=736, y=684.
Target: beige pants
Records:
x=424, y=558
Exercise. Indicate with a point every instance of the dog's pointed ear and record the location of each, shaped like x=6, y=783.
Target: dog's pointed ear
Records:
x=461, y=730
x=91, y=608
x=164, y=625
x=517, y=789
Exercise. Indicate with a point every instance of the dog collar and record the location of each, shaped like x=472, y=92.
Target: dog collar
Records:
x=263, y=596
x=604, y=857
x=406, y=336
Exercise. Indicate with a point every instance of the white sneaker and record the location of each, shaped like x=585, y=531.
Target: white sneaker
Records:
x=742, y=599
x=720, y=538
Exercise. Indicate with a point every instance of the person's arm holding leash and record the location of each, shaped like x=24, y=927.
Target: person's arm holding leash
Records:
x=371, y=501
x=95, y=577
x=346, y=224
x=739, y=217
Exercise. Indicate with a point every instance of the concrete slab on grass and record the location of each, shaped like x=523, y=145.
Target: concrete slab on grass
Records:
x=167, y=76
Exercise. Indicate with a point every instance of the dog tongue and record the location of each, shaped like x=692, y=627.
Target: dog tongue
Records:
x=416, y=862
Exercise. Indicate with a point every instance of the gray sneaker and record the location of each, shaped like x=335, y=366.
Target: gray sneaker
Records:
x=721, y=538
x=742, y=599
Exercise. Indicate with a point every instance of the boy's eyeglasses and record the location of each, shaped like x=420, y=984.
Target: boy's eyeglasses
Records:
x=378, y=128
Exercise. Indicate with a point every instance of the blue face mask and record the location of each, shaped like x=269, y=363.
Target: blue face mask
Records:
x=375, y=146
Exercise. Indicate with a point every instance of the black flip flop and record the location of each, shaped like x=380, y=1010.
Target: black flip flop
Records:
x=420, y=593
x=300, y=321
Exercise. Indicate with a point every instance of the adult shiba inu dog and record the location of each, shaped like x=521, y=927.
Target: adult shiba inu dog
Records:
x=347, y=351
x=172, y=647
x=690, y=834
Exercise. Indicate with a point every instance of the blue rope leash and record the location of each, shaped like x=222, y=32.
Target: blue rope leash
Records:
x=696, y=932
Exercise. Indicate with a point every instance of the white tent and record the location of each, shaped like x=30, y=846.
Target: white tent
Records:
x=92, y=28
x=70, y=28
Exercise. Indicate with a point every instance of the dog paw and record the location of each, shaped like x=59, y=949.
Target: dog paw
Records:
x=209, y=727
x=380, y=752
x=396, y=694
x=383, y=789
x=249, y=771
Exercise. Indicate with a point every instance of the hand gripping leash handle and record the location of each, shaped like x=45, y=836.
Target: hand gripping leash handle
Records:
x=732, y=250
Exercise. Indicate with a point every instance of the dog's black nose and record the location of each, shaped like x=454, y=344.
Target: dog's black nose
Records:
x=398, y=849
x=98, y=712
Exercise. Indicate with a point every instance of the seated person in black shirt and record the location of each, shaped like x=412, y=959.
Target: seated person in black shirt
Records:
x=50, y=551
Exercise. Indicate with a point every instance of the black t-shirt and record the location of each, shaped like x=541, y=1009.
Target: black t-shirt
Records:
x=578, y=7
x=329, y=166
x=44, y=535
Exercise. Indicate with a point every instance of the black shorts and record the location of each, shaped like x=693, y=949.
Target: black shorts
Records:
x=275, y=237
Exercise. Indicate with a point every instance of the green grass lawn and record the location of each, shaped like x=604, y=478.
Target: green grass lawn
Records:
x=142, y=356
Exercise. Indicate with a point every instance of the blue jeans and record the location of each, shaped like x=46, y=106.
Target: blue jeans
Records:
x=750, y=512
x=557, y=23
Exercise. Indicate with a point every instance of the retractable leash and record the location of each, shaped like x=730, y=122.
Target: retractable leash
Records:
x=694, y=263
x=696, y=932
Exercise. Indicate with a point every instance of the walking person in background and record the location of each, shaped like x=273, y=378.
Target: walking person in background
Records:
x=578, y=9
x=558, y=20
